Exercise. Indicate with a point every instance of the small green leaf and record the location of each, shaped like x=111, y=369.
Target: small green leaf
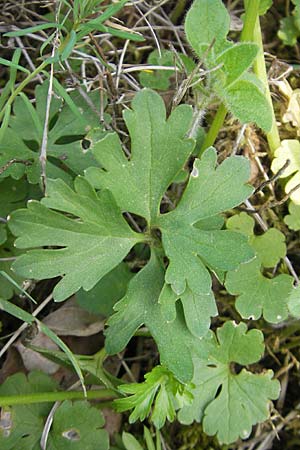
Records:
x=244, y=398
x=293, y=219
x=78, y=426
x=72, y=118
x=68, y=45
x=130, y=442
x=206, y=21
x=6, y=62
x=84, y=246
x=159, y=392
x=258, y=295
x=248, y=103
x=269, y=247
x=289, y=150
x=237, y=59
x=25, y=31
x=289, y=31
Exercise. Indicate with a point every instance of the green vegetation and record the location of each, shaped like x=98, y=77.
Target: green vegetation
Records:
x=181, y=298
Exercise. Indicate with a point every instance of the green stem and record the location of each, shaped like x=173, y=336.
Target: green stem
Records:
x=22, y=85
x=214, y=128
x=45, y=397
x=261, y=72
x=247, y=33
x=251, y=15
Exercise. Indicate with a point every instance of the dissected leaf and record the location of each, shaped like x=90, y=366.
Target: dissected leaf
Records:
x=257, y=295
x=160, y=392
x=269, y=247
x=14, y=194
x=244, y=398
x=93, y=237
x=140, y=306
x=289, y=150
x=293, y=219
x=26, y=422
x=78, y=426
x=23, y=138
x=191, y=250
x=89, y=248
x=159, y=150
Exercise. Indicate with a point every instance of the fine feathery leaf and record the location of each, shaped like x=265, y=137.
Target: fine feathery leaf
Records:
x=160, y=391
x=244, y=398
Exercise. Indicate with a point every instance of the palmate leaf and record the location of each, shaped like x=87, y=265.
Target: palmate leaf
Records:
x=140, y=306
x=244, y=398
x=191, y=250
x=293, y=218
x=269, y=247
x=68, y=125
x=159, y=150
x=256, y=294
x=89, y=248
x=95, y=238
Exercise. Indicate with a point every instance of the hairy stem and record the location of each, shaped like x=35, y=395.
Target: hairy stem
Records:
x=214, y=128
